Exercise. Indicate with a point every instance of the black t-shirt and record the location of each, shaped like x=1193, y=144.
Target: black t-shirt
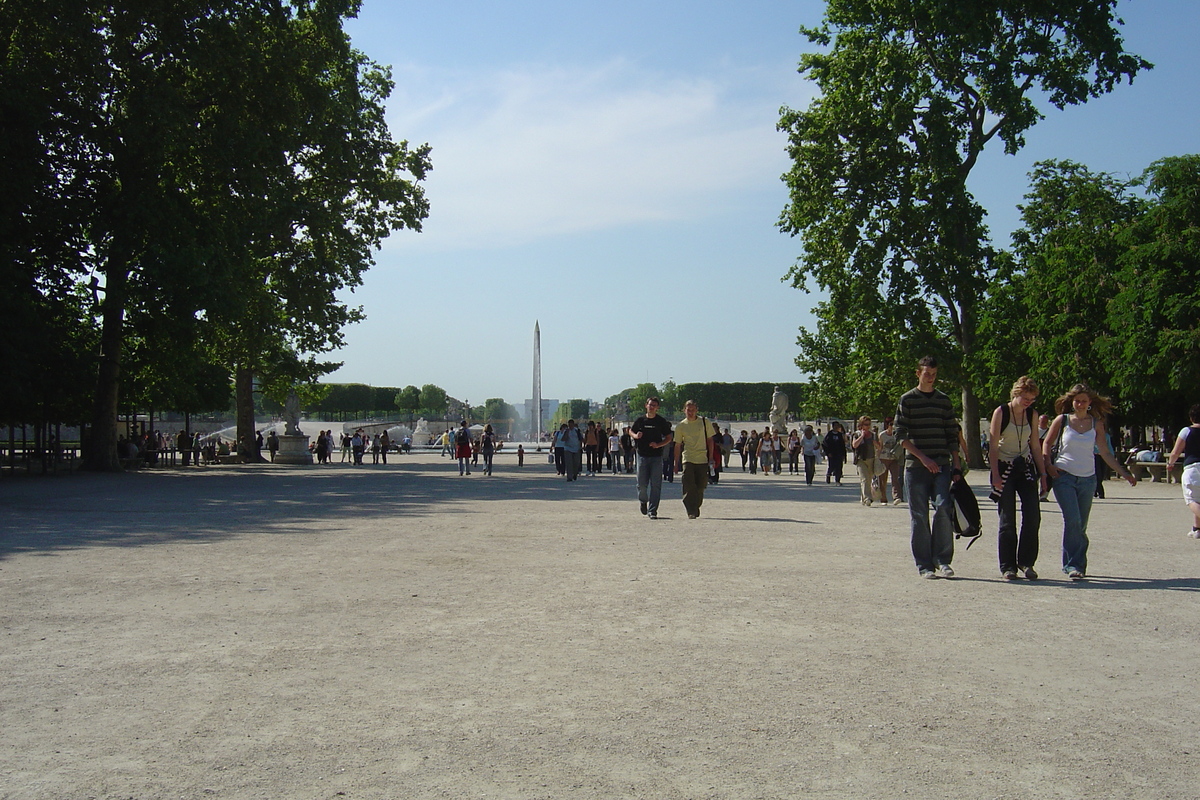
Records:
x=654, y=429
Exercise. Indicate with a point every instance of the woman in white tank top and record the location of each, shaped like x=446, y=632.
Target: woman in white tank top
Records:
x=1078, y=435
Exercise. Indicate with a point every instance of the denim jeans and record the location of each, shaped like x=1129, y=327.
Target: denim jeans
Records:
x=649, y=481
x=1074, y=496
x=931, y=546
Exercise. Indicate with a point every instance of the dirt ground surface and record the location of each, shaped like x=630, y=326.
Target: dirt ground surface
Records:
x=403, y=632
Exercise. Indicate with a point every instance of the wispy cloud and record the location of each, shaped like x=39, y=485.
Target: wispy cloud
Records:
x=529, y=153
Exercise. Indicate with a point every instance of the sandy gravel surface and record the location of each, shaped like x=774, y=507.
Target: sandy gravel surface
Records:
x=401, y=632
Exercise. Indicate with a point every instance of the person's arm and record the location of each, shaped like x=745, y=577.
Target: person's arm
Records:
x=1177, y=450
x=994, y=448
x=1048, y=445
x=1035, y=449
x=1107, y=454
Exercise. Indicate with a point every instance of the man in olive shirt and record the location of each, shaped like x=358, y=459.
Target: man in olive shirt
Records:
x=694, y=436
x=651, y=433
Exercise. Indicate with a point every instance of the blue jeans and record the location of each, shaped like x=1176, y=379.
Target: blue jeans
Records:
x=931, y=547
x=1074, y=496
x=650, y=476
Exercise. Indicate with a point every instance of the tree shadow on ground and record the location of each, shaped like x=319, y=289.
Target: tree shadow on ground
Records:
x=45, y=515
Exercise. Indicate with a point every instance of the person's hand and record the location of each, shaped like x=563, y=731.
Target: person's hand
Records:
x=1052, y=470
x=930, y=464
x=997, y=484
x=1132, y=480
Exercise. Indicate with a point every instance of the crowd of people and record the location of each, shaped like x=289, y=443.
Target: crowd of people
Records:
x=920, y=453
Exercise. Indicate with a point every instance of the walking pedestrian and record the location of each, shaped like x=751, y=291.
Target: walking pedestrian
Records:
x=1017, y=470
x=651, y=434
x=1070, y=446
x=928, y=431
x=693, y=437
x=1187, y=447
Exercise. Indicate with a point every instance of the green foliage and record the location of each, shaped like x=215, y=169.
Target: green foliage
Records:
x=408, y=399
x=637, y=396
x=911, y=94
x=741, y=398
x=434, y=401
x=223, y=170
x=1103, y=288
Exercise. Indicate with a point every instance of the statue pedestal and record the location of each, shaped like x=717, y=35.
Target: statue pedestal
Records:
x=293, y=450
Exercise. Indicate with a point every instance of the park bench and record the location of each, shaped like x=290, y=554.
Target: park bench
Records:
x=1154, y=471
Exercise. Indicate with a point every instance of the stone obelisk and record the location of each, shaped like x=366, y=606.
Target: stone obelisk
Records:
x=535, y=417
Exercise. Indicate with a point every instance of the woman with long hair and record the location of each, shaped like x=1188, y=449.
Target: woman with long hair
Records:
x=766, y=444
x=487, y=447
x=1075, y=435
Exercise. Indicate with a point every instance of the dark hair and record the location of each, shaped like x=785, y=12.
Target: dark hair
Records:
x=1194, y=413
x=927, y=361
x=653, y=399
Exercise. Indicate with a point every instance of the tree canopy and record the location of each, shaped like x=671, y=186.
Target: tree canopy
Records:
x=911, y=92
x=192, y=185
x=1104, y=287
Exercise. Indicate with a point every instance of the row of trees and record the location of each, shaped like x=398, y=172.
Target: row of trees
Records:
x=1100, y=282
x=430, y=401
x=188, y=187
x=739, y=400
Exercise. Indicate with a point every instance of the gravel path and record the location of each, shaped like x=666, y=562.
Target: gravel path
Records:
x=401, y=632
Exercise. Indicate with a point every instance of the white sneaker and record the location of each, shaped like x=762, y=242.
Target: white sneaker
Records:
x=897, y=502
x=945, y=571
x=1194, y=534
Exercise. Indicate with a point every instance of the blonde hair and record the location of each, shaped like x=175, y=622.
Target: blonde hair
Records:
x=1025, y=384
x=864, y=420
x=1100, y=408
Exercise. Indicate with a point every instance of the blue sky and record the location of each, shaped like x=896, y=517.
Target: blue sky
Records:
x=613, y=173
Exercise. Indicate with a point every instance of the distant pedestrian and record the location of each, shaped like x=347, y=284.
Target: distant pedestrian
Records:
x=834, y=447
x=864, y=444
x=810, y=448
x=462, y=448
x=572, y=445
x=487, y=448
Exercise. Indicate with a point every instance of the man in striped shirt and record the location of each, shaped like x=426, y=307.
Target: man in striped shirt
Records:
x=928, y=431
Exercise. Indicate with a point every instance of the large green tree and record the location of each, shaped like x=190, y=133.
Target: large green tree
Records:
x=1154, y=318
x=1103, y=287
x=211, y=174
x=1047, y=315
x=911, y=92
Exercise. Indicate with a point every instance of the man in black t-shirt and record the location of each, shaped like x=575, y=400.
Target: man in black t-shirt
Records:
x=651, y=434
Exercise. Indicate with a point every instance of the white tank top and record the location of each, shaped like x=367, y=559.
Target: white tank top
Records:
x=1077, y=454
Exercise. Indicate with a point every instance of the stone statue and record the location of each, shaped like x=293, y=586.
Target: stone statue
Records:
x=291, y=415
x=778, y=412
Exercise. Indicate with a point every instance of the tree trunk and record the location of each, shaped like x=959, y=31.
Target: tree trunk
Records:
x=101, y=455
x=244, y=402
x=970, y=404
